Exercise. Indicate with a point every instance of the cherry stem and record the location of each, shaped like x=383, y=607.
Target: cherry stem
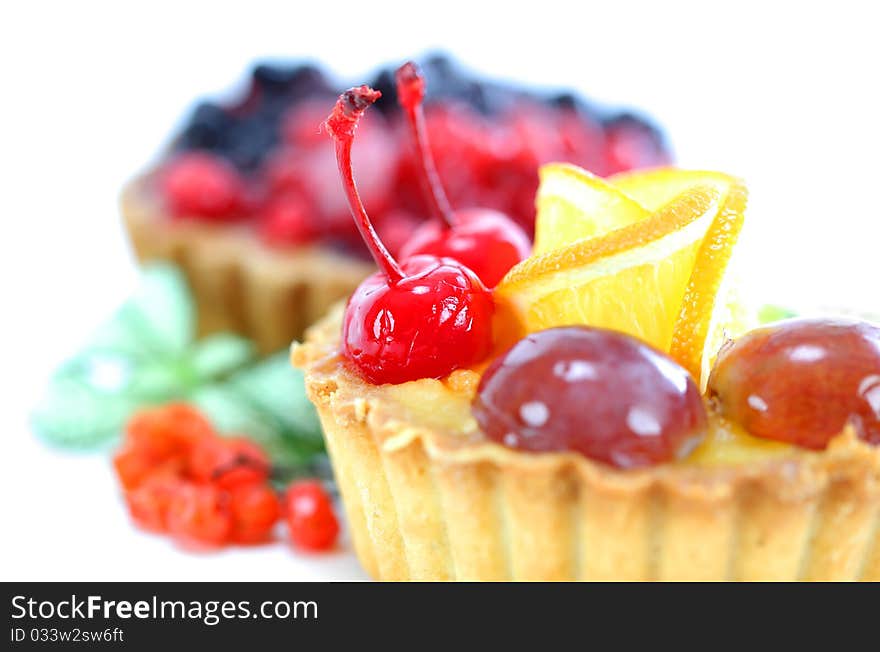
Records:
x=341, y=124
x=410, y=93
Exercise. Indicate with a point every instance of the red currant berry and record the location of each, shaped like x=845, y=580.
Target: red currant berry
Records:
x=199, y=184
x=198, y=516
x=167, y=431
x=421, y=319
x=802, y=381
x=131, y=466
x=229, y=462
x=148, y=503
x=486, y=241
x=310, y=518
x=600, y=393
x=255, y=509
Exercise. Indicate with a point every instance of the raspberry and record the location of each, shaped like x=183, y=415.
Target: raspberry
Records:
x=203, y=185
x=287, y=220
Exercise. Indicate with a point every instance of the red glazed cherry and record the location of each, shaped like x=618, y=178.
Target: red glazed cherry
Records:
x=421, y=319
x=202, y=185
x=486, y=241
x=600, y=393
x=801, y=381
x=310, y=518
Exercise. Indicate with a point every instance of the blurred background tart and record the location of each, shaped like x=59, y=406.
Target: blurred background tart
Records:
x=246, y=199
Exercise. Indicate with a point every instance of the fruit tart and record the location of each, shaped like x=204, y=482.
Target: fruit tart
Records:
x=590, y=418
x=246, y=199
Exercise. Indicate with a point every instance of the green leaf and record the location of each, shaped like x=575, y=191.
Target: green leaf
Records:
x=74, y=414
x=267, y=402
x=220, y=354
x=771, y=313
x=160, y=380
x=233, y=414
x=278, y=389
x=145, y=355
x=164, y=302
x=157, y=320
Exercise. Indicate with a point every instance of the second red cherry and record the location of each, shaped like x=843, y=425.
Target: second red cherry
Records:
x=485, y=240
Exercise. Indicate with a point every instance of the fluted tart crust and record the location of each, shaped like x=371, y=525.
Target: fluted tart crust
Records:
x=428, y=497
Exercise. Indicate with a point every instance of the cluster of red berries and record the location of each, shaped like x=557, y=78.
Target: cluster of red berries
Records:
x=263, y=158
x=181, y=477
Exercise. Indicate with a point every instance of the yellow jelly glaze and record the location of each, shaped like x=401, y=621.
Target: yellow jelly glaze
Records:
x=446, y=406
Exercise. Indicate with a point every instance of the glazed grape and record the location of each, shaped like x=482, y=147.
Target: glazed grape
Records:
x=485, y=240
x=802, y=381
x=597, y=392
x=422, y=319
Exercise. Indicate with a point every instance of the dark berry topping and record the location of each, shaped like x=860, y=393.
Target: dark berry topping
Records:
x=488, y=139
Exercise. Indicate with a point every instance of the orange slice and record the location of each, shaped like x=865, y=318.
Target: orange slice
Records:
x=657, y=277
x=711, y=312
x=573, y=204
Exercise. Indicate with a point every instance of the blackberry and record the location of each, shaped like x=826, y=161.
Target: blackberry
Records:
x=295, y=82
x=206, y=129
x=249, y=142
x=630, y=120
x=384, y=83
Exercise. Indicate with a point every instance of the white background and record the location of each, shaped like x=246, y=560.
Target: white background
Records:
x=783, y=94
